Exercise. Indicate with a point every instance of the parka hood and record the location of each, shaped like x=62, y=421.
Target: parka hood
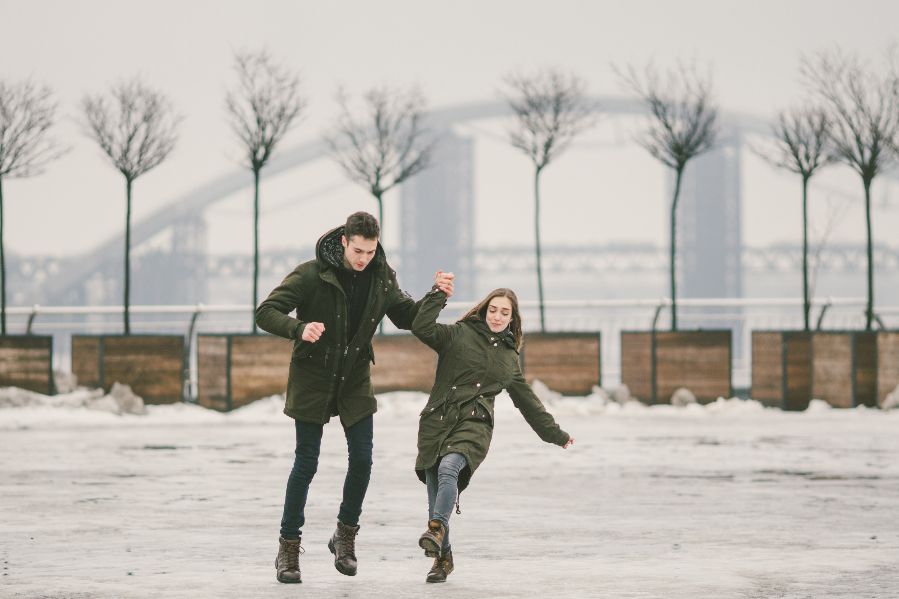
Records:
x=329, y=250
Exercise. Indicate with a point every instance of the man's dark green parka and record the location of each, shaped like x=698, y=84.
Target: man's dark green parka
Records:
x=333, y=375
x=474, y=365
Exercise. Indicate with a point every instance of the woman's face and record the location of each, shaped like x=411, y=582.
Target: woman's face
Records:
x=499, y=313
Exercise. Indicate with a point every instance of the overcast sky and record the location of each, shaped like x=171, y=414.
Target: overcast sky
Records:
x=606, y=188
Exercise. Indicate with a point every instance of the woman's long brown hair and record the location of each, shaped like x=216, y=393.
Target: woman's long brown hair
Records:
x=480, y=311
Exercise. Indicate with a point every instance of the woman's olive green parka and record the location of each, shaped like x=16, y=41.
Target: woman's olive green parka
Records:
x=474, y=365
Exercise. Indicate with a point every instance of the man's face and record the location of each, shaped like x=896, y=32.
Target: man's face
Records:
x=358, y=250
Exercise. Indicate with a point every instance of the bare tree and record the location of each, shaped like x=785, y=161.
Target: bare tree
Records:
x=135, y=127
x=261, y=109
x=835, y=213
x=384, y=147
x=26, y=114
x=683, y=124
x=864, y=111
x=550, y=109
x=801, y=136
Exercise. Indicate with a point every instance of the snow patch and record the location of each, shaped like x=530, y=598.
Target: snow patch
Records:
x=682, y=397
x=818, y=405
x=891, y=401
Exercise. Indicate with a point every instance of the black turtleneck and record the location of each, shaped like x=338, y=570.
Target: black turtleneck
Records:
x=356, y=285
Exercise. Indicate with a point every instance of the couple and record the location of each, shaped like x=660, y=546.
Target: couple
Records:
x=340, y=299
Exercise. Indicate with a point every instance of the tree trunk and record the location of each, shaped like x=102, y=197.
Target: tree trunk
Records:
x=126, y=302
x=806, y=300
x=255, y=299
x=673, y=250
x=380, y=213
x=538, y=249
x=381, y=225
x=869, y=309
x=2, y=269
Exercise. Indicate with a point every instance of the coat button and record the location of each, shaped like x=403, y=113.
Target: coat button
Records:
x=454, y=388
x=494, y=345
x=342, y=378
x=477, y=384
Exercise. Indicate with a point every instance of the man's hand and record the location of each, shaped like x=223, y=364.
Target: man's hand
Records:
x=313, y=331
x=569, y=444
x=444, y=282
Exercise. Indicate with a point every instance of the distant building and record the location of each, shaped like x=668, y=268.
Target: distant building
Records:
x=438, y=219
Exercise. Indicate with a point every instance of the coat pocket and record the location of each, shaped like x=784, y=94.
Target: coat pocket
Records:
x=435, y=404
x=301, y=349
x=484, y=409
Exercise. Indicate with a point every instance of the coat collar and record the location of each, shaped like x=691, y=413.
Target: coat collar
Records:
x=481, y=326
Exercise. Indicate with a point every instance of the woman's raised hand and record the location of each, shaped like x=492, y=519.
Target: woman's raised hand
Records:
x=569, y=444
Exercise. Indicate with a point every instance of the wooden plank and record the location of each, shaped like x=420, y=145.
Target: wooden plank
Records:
x=832, y=368
x=402, y=363
x=152, y=365
x=798, y=348
x=767, y=367
x=865, y=369
x=567, y=363
x=25, y=362
x=86, y=360
x=636, y=363
x=259, y=367
x=212, y=371
x=887, y=364
x=697, y=360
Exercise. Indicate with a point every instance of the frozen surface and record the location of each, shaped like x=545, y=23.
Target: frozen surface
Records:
x=726, y=500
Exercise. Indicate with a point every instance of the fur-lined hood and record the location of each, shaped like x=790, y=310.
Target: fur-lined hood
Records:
x=329, y=249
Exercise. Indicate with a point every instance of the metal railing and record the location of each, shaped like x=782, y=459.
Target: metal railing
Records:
x=607, y=316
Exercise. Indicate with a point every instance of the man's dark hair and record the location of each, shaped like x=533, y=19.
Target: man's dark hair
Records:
x=362, y=223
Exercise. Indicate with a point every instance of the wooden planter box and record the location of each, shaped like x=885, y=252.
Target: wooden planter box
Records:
x=782, y=368
x=154, y=366
x=568, y=363
x=26, y=361
x=844, y=368
x=654, y=365
x=402, y=363
x=236, y=369
x=887, y=363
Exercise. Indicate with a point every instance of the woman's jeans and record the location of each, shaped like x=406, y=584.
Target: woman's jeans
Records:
x=309, y=438
x=443, y=487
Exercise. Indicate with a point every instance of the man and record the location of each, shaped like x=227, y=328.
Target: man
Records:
x=340, y=299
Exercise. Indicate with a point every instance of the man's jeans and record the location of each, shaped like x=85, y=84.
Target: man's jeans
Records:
x=443, y=486
x=309, y=439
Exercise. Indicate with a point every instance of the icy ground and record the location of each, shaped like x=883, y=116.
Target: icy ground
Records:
x=725, y=501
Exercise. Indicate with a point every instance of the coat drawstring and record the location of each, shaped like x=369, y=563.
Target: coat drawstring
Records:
x=458, y=509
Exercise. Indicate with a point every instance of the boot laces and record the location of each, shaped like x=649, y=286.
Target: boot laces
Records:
x=350, y=545
x=292, y=555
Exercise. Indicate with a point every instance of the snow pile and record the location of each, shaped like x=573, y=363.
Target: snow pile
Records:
x=121, y=407
x=621, y=394
x=891, y=401
x=121, y=400
x=818, y=405
x=682, y=397
x=65, y=382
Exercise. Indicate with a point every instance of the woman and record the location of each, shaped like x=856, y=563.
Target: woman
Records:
x=478, y=358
